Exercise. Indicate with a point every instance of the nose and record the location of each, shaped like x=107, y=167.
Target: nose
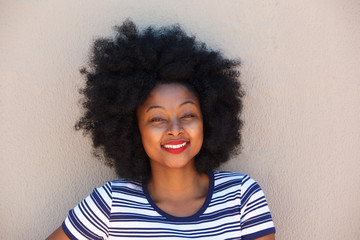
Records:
x=175, y=128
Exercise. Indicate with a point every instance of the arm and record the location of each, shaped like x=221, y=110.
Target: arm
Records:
x=58, y=235
x=267, y=237
x=256, y=221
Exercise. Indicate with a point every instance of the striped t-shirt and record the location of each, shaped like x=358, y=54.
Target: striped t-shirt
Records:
x=235, y=208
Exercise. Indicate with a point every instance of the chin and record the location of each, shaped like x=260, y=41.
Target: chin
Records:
x=175, y=163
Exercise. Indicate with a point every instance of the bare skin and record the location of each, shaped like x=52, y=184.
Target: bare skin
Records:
x=58, y=235
x=267, y=237
x=171, y=115
x=180, y=195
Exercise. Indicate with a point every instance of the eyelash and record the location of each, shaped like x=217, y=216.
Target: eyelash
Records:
x=186, y=116
x=157, y=120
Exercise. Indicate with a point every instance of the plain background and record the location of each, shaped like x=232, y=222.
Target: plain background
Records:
x=300, y=71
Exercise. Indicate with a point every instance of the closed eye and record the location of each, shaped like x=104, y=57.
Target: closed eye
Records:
x=157, y=120
x=188, y=116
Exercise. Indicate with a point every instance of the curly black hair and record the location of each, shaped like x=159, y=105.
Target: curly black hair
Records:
x=123, y=70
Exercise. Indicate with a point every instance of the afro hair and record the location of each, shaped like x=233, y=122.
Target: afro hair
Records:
x=123, y=71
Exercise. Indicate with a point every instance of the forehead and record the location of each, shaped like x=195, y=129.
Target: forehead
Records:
x=172, y=93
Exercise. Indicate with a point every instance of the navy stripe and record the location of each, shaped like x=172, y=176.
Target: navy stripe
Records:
x=81, y=228
x=235, y=202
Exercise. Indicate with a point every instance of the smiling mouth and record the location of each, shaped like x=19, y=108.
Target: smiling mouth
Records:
x=175, y=147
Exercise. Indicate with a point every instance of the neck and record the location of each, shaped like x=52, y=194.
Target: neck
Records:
x=181, y=183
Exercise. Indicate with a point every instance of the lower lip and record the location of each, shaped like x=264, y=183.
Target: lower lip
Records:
x=176, y=150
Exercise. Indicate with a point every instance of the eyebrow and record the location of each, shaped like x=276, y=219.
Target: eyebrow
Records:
x=157, y=106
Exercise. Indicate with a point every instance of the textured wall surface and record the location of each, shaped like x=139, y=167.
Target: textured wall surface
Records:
x=302, y=109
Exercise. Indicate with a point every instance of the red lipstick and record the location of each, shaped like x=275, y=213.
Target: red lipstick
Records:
x=175, y=147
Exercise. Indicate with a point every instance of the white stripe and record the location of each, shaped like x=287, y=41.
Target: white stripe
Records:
x=132, y=216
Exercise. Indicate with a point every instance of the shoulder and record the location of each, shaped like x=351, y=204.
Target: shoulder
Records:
x=125, y=182
x=228, y=174
x=239, y=181
x=115, y=190
x=225, y=176
x=122, y=186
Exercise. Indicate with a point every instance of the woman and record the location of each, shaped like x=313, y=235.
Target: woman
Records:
x=163, y=109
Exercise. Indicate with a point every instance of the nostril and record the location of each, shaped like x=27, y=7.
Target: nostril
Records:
x=175, y=128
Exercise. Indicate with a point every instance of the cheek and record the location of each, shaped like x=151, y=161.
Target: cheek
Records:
x=201, y=136
x=150, y=136
x=148, y=143
x=197, y=133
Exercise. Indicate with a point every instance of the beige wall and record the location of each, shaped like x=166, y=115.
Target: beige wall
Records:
x=301, y=72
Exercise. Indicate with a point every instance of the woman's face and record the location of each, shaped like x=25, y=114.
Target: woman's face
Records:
x=171, y=126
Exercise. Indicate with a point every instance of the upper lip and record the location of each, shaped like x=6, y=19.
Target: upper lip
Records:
x=175, y=142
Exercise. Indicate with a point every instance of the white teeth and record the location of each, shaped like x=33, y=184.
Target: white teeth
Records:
x=175, y=146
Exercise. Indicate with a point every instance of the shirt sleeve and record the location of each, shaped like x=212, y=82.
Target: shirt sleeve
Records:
x=256, y=220
x=90, y=218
